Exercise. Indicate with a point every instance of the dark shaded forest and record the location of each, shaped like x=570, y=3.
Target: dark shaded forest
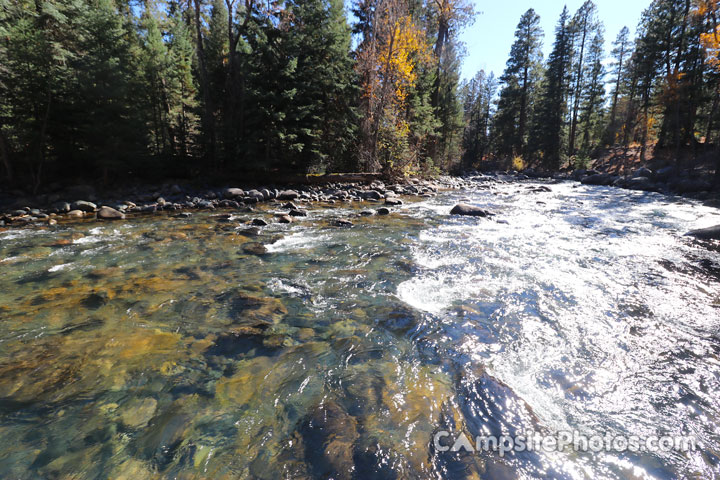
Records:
x=117, y=89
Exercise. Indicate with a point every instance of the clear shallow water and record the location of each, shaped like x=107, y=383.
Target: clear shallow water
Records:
x=158, y=348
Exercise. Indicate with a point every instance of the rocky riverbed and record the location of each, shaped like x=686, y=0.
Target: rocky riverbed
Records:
x=193, y=344
x=85, y=203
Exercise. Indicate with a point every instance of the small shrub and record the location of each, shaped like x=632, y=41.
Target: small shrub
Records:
x=518, y=164
x=580, y=162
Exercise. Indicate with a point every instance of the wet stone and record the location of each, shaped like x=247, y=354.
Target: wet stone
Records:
x=255, y=248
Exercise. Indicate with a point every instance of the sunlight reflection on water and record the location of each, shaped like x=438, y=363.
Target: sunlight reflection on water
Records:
x=161, y=346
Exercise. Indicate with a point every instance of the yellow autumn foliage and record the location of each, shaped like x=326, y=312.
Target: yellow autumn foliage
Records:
x=710, y=40
x=404, y=48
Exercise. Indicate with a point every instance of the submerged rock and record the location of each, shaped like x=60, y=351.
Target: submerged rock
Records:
x=255, y=248
x=258, y=222
x=330, y=434
x=138, y=413
x=469, y=210
x=108, y=213
x=393, y=201
x=342, y=223
x=711, y=233
x=250, y=232
x=285, y=219
x=298, y=213
x=383, y=211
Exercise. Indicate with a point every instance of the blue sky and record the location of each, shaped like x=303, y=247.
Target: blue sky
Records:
x=488, y=40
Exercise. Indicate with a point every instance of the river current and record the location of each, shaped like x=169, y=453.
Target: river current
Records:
x=168, y=347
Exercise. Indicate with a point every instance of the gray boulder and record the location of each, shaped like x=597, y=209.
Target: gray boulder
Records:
x=256, y=194
x=712, y=233
x=469, y=210
x=288, y=195
x=61, y=207
x=371, y=195
x=232, y=193
x=599, y=179
x=640, y=183
x=109, y=213
x=643, y=172
x=666, y=173
x=83, y=206
x=690, y=185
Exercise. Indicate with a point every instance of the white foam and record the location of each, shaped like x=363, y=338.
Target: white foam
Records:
x=296, y=241
x=58, y=268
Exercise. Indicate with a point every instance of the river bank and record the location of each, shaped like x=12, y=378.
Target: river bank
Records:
x=84, y=203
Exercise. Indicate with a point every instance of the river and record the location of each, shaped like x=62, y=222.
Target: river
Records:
x=167, y=347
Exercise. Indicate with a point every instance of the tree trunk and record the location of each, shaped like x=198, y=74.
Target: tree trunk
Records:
x=616, y=93
x=207, y=115
x=37, y=180
x=576, y=102
x=713, y=111
x=5, y=155
x=523, y=108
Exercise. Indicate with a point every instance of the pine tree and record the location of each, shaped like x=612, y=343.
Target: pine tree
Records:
x=448, y=110
x=446, y=19
x=622, y=49
x=550, y=118
x=105, y=130
x=155, y=67
x=593, y=95
x=324, y=81
x=181, y=86
x=38, y=39
x=478, y=97
x=585, y=26
x=519, y=80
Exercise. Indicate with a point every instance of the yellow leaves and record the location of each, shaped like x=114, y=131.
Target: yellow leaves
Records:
x=706, y=7
x=404, y=49
x=711, y=44
x=710, y=40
